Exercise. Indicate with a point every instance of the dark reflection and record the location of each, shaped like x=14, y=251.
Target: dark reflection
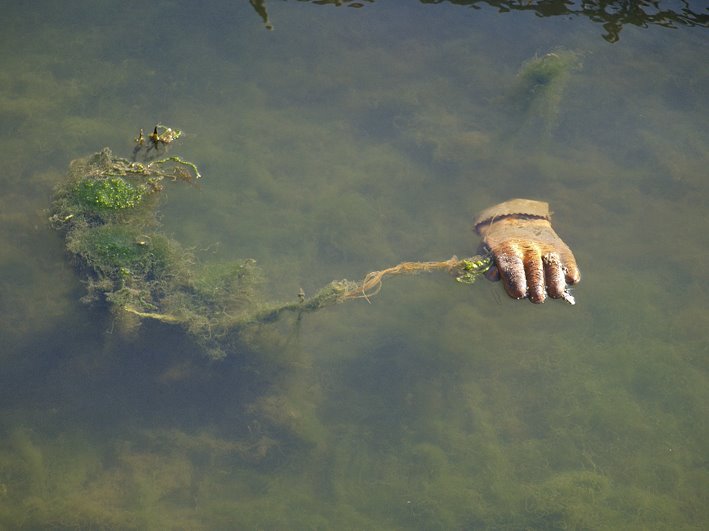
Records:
x=260, y=7
x=612, y=14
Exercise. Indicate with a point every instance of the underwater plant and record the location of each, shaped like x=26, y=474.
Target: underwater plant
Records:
x=107, y=209
x=541, y=83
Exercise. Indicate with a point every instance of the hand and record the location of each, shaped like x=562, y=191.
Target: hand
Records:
x=529, y=256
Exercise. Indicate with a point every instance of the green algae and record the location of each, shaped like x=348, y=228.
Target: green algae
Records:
x=540, y=87
x=122, y=251
x=110, y=194
x=107, y=209
x=112, y=233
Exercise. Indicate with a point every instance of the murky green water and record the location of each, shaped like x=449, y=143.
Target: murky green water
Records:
x=342, y=141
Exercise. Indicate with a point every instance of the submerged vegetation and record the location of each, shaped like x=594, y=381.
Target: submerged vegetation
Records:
x=541, y=83
x=108, y=210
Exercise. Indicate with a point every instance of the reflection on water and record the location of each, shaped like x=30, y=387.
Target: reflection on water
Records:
x=612, y=14
x=342, y=142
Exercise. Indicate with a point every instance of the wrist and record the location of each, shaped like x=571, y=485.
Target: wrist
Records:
x=514, y=209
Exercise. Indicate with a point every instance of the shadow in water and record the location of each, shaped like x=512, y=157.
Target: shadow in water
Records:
x=95, y=378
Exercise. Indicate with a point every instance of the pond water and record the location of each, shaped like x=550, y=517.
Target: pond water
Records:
x=345, y=139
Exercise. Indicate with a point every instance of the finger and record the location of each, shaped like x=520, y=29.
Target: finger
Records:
x=535, y=277
x=554, y=275
x=573, y=275
x=571, y=270
x=511, y=270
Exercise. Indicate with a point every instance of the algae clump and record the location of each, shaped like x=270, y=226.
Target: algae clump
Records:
x=108, y=211
x=541, y=84
x=113, y=193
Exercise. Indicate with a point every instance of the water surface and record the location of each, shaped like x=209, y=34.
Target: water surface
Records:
x=341, y=141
